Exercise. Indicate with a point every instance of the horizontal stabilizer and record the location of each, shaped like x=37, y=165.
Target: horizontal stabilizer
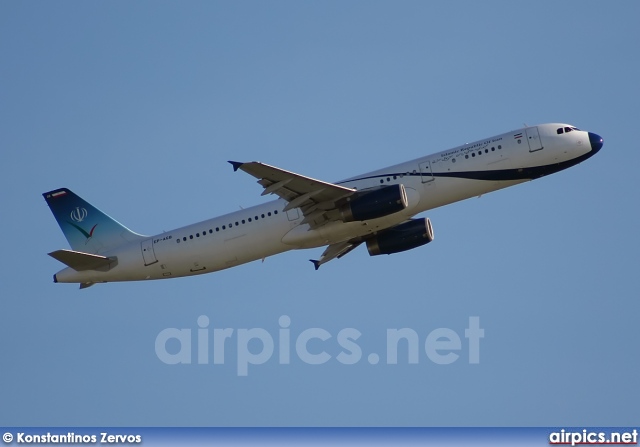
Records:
x=80, y=261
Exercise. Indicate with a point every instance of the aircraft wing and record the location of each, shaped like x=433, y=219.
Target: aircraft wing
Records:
x=335, y=251
x=314, y=197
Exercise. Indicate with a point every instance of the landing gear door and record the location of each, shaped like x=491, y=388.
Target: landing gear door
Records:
x=425, y=171
x=533, y=137
x=148, y=253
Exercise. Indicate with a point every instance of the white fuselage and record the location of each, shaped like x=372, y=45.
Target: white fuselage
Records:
x=265, y=230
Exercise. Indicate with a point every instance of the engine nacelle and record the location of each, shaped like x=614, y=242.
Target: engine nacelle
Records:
x=412, y=234
x=379, y=202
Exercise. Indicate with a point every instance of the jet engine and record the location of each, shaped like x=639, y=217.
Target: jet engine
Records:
x=373, y=204
x=408, y=235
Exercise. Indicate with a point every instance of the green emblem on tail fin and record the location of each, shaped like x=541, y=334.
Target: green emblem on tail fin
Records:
x=88, y=235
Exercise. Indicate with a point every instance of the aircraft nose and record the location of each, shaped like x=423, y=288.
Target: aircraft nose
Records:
x=596, y=142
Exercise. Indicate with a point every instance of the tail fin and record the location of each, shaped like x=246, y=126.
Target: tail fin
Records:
x=86, y=228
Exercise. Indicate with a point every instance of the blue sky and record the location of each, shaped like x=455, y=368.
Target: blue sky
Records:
x=137, y=106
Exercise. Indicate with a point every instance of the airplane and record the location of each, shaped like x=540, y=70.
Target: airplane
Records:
x=377, y=209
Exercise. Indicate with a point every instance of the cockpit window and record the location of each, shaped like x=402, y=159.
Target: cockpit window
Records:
x=567, y=129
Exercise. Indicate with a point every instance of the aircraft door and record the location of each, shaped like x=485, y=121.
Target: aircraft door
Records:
x=425, y=172
x=533, y=137
x=148, y=254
